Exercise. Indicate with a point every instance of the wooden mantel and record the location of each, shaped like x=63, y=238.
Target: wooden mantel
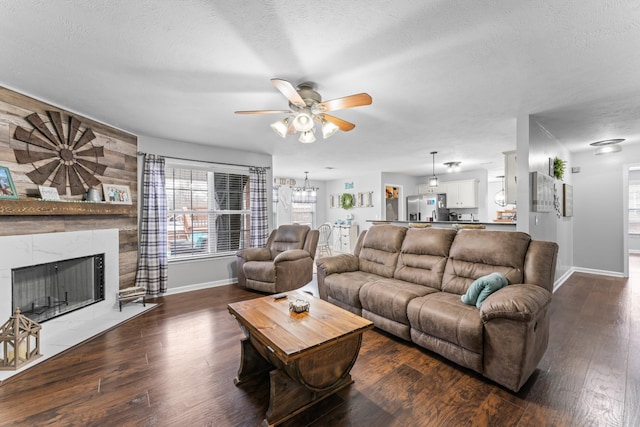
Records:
x=48, y=208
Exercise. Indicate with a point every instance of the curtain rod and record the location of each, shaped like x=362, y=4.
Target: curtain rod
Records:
x=142, y=153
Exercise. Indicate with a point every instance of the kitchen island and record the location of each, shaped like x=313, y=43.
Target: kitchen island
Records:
x=503, y=226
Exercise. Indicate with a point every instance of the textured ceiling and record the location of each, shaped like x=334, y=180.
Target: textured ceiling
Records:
x=447, y=76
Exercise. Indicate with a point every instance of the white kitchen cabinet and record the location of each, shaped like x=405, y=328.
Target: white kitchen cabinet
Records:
x=345, y=237
x=462, y=194
x=510, y=168
x=426, y=189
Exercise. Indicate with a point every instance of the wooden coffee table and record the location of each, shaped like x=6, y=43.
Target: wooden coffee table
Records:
x=309, y=354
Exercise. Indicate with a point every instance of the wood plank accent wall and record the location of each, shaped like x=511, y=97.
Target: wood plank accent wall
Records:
x=120, y=157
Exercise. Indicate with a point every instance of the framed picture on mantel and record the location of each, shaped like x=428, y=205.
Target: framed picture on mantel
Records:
x=7, y=188
x=117, y=194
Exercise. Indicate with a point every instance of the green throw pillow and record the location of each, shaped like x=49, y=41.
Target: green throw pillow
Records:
x=482, y=287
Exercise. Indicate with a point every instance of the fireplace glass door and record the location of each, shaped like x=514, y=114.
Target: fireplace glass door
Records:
x=49, y=290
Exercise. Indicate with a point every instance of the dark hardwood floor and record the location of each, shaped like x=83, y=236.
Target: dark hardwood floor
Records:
x=175, y=366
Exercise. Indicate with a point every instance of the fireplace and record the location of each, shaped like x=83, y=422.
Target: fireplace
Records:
x=49, y=290
x=22, y=252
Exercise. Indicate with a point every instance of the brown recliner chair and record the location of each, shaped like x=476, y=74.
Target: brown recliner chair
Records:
x=285, y=263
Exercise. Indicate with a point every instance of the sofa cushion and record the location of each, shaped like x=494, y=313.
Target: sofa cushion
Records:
x=423, y=256
x=380, y=249
x=345, y=287
x=477, y=253
x=389, y=297
x=444, y=316
x=482, y=287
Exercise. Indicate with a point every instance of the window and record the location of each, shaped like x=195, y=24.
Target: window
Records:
x=208, y=210
x=634, y=208
x=303, y=207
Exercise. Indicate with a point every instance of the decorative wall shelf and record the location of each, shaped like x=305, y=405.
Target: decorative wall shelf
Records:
x=360, y=200
x=46, y=208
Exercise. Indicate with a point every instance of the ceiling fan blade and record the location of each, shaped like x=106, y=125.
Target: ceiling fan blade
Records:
x=345, y=102
x=344, y=125
x=264, y=112
x=289, y=91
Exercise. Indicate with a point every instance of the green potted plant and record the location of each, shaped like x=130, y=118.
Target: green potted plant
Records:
x=558, y=168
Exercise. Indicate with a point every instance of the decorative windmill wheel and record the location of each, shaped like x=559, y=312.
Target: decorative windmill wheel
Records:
x=73, y=164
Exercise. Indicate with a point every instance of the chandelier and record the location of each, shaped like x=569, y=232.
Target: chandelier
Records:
x=500, y=197
x=307, y=189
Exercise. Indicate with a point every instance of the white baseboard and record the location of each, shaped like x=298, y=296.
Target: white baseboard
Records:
x=600, y=272
x=560, y=281
x=198, y=286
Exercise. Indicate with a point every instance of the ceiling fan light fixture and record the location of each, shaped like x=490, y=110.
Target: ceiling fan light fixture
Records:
x=307, y=137
x=303, y=122
x=281, y=127
x=328, y=129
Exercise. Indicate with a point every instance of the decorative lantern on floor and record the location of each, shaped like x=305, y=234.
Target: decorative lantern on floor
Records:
x=19, y=341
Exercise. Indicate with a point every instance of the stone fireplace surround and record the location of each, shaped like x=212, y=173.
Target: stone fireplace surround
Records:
x=63, y=332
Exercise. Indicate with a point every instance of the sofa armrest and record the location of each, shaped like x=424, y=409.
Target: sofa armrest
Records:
x=338, y=264
x=254, y=254
x=291, y=255
x=520, y=302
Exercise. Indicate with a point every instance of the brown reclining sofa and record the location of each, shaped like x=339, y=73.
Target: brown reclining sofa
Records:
x=409, y=282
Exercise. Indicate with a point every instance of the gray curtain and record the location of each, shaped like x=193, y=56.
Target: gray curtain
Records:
x=153, y=263
x=259, y=229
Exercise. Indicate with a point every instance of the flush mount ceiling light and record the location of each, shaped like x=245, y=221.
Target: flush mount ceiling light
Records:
x=452, y=166
x=608, y=149
x=307, y=108
x=433, y=181
x=607, y=146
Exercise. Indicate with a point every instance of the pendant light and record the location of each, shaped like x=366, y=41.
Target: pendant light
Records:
x=433, y=181
x=500, y=198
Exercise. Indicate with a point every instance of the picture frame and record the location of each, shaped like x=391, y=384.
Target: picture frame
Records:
x=48, y=193
x=117, y=194
x=7, y=187
x=567, y=200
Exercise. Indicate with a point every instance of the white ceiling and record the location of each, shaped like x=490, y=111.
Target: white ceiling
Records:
x=447, y=76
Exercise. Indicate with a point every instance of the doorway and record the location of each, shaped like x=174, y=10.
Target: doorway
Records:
x=631, y=214
x=393, y=194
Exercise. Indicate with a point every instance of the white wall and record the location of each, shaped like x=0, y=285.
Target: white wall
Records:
x=598, y=205
x=361, y=184
x=551, y=226
x=211, y=271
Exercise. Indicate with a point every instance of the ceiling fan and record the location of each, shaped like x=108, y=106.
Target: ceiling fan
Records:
x=306, y=107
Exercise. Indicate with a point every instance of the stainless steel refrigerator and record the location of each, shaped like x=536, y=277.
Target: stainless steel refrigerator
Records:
x=423, y=207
